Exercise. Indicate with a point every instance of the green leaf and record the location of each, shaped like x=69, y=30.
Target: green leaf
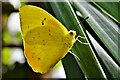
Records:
x=6, y=56
x=110, y=68
x=111, y=12
x=71, y=67
x=88, y=62
x=105, y=28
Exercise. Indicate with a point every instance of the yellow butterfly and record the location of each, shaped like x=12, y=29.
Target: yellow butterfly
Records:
x=46, y=40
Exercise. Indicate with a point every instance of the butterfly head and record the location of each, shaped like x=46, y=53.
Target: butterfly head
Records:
x=72, y=35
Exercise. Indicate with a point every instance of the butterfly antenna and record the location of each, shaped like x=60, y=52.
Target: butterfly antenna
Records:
x=83, y=20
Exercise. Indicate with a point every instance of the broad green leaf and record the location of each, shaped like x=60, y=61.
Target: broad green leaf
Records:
x=113, y=12
x=105, y=28
x=88, y=62
x=72, y=68
x=111, y=69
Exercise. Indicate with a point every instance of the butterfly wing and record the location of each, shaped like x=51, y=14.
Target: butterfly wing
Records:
x=31, y=16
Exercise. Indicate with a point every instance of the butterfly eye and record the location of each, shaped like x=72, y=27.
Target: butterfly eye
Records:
x=72, y=32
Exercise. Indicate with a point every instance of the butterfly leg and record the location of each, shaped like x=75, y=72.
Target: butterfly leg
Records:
x=74, y=55
x=81, y=41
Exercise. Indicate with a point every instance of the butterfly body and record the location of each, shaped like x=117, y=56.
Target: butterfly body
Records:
x=46, y=40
